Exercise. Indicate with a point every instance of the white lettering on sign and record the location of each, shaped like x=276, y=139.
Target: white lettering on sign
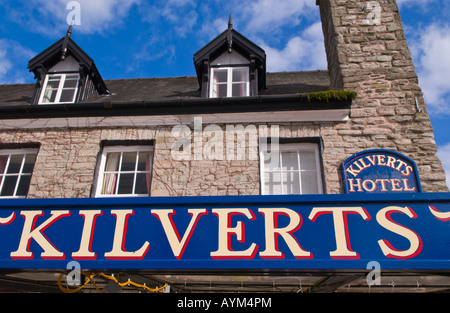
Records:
x=442, y=216
x=117, y=251
x=176, y=243
x=378, y=160
x=29, y=232
x=273, y=232
x=225, y=230
x=86, y=240
x=279, y=225
x=359, y=185
x=343, y=250
x=384, y=219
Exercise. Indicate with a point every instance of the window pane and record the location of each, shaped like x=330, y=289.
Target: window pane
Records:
x=309, y=183
x=67, y=95
x=112, y=162
x=222, y=90
x=109, y=184
x=272, y=183
x=142, y=183
x=9, y=186
x=51, y=89
x=308, y=160
x=144, y=161
x=289, y=161
x=30, y=159
x=240, y=75
x=125, y=184
x=71, y=81
x=220, y=76
x=291, y=183
x=15, y=163
x=129, y=161
x=24, y=184
x=239, y=90
x=3, y=161
x=53, y=82
x=49, y=95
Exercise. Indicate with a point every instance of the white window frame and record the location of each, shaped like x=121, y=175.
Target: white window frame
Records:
x=291, y=147
x=20, y=174
x=121, y=150
x=60, y=88
x=229, y=83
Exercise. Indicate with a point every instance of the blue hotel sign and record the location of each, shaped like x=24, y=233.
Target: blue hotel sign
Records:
x=248, y=233
x=380, y=171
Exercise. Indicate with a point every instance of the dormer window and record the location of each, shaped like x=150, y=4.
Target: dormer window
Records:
x=230, y=66
x=230, y=82
x=65, y=74
x=230, y=76
x=59, y=88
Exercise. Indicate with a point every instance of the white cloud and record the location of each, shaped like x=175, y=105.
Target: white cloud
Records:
x=268, y=15
x=50, y=17
x=99, y=15
x=12, y=53
x=272, y=19
x=430, y=48
x=180, y=14
x=443, y=153
x=211, y=29
x=5, y=64
x=304, y=52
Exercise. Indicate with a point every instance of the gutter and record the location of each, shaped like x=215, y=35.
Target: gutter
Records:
x=262, y=103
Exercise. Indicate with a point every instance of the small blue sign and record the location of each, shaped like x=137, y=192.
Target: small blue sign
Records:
x=240, y=233
x=380, y=171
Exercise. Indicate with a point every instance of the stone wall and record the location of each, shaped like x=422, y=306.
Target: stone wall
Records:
x=68, y=158
x=368, y=53
x=202, y=175
x=66, y=163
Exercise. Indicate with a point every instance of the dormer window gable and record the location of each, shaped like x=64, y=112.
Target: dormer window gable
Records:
x=65, y=74
x=230, y=66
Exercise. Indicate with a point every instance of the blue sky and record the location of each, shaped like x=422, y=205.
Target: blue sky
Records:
x=138, y=38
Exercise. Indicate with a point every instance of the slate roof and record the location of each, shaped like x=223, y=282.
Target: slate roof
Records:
x=173, y=88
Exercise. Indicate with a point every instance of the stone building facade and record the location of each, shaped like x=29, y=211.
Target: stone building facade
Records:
x=370, y=58
x=369, y=54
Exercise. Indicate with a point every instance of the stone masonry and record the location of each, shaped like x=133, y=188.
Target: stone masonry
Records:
x=367, y=52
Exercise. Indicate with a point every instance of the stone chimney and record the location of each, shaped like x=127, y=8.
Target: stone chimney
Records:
x=367, y=52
